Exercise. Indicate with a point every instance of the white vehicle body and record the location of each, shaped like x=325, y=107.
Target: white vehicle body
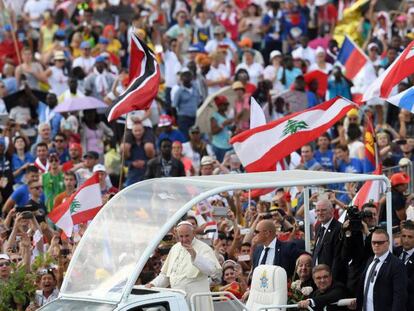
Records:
x=122, y=237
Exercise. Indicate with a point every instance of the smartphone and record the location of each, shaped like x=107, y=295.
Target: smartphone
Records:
x=220, y=211
x=244, y=231
x=243, y=258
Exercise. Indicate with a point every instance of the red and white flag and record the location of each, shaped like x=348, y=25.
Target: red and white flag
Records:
x=81, y=206
x=261, y=148
x=401, y=68
x=211, y=230
x=370, y=191
x=144, y=73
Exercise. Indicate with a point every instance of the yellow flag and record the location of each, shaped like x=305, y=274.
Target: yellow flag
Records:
x=349, y=24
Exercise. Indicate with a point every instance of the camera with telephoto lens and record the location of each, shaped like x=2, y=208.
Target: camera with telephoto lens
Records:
x=355, y=217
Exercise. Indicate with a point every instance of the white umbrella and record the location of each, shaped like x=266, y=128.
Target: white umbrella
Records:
x=208, y=107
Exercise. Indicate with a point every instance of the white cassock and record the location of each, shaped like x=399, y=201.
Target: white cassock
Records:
x=181, y=272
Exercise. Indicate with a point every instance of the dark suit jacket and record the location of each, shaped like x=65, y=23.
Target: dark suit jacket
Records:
x=330, y=241
x=409, y=266
x=154, y=168
x=390, y=288
x=286, y=254
x=336, y=292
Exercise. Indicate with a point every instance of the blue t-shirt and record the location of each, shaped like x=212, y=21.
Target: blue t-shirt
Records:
x=325, y=159
x=312, y=165
x=354, y=166
x=22, y=196
x=18, y=163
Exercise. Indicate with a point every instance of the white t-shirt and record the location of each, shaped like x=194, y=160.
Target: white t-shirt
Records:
x=172, y=67
x=305, y=53
x=315, y=66
x=35, y=10
x=270, y=73
x=85, y=63
x=215, y=74
x=255, y=71
x=58, y=81
x=195, y=157
x=354, y=147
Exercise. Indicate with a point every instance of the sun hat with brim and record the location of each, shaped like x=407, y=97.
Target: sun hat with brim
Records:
x=237, y=85
x=206, y=160
x=399, y=179
x=59, y=55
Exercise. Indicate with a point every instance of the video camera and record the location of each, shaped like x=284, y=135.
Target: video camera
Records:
x=355, y=217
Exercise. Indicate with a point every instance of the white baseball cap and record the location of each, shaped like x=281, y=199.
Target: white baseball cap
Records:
x=4, y=257
x=99, y=168
x=275, y=53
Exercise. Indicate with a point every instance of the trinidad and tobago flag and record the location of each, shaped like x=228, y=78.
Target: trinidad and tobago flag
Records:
x=144, y=74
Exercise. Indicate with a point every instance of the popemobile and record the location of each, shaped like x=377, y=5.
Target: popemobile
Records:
x=108, y=261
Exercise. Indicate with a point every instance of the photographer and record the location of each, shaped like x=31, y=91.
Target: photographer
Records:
x=356, y=241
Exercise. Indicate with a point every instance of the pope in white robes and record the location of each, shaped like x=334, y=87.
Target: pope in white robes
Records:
x=188, y=265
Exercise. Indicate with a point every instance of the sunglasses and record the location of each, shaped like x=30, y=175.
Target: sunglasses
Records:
x=36, y=187
x=53, y=160
x=17, y=260
x=379, y=242
x=5, y=264
x=59, y=140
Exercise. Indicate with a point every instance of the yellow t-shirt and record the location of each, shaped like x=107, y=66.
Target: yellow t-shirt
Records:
x=114, y=46
x=47, y=35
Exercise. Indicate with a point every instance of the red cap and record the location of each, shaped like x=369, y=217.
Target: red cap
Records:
x=399, y=179
x=165, y=120
x=76, y=146
x=220, y=100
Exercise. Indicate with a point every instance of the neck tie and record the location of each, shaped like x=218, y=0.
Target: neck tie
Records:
x=404, y=256
x=266, y=251
x=318, y=245
x=370, y=280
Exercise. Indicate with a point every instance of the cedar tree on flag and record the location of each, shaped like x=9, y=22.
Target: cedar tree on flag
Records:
x=144, y=73
x=401, y=68
x=260, y=149
x=80, y=207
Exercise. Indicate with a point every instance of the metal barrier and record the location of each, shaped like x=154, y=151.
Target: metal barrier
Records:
x=232, y=303
x=406, y=168
x=279, y=307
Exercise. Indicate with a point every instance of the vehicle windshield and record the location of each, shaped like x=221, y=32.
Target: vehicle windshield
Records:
x=114, y=242
x=72, y=305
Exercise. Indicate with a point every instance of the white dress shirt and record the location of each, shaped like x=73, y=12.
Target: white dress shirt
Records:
x=409, y=254
x=270, y=254
x=370, y=295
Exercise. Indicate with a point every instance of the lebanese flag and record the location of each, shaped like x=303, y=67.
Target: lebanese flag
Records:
x=261, y=148
x=370, y=191
x=144, y=74
x=401, y=68
x=352, y=58
x=81, y=206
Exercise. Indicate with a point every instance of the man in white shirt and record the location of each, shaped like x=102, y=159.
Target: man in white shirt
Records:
x=86, y=61
x=188, y=266
x=34, y=9
x=304, y=51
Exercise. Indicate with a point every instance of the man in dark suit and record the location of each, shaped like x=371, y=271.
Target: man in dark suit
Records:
x=383, y=285
x=406, y=254
x=271, y=251
x=327, y=293
x=164, y=165
x=327, y=235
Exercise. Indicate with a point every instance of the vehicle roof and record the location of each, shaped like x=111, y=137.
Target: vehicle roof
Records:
x=127, y=230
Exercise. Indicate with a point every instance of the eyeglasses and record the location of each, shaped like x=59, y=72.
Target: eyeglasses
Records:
x=379, y=242
x=4, y=264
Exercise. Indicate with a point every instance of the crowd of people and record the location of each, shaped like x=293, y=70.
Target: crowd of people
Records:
x=220, y=53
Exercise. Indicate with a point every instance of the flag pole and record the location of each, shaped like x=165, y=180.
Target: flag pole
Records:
x=16, y=46
x=121, y=173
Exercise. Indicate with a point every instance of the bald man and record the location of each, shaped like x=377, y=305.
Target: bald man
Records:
x=188, y=265
x=327, y=235
x=271, y=251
